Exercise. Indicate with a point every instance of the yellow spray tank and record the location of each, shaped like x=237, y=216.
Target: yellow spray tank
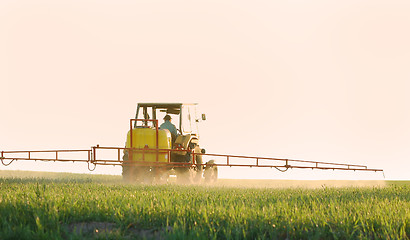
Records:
x=145, y=138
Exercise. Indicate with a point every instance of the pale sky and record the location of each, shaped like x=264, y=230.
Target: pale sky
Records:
x=314, y=80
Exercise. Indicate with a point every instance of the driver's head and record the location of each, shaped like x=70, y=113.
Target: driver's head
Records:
x=167, y=118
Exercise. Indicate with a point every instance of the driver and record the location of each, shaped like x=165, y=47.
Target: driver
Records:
x=171, y=127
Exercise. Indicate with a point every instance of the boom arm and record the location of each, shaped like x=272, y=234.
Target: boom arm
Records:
x=91, y=157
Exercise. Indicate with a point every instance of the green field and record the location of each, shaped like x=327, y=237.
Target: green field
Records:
x=79, y=206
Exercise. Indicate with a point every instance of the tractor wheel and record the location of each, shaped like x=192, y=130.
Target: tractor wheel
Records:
x=211, y=172
x=198, y=167
x=126, y=173
x=197, y=176
x=127, y=170
x=131, y=173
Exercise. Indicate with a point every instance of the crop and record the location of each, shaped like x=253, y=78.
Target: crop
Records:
x=78, y=207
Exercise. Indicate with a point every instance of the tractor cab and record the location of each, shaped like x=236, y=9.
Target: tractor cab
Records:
x=184, y=117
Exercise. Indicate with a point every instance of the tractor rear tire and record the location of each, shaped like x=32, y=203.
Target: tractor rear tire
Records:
x=126, y=173
x=127, y=170
x=184, y=175
x=197, y=176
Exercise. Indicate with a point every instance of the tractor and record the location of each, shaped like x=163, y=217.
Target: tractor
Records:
x=152, y=153
x=148, y=147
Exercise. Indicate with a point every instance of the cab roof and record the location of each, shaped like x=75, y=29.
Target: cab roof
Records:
x=165, y=105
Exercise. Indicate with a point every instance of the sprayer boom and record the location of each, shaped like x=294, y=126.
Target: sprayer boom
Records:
x=92, y=158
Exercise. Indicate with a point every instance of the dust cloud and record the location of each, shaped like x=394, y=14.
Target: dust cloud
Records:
x=85, y=177
x=262, y=183
x=240, y=183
